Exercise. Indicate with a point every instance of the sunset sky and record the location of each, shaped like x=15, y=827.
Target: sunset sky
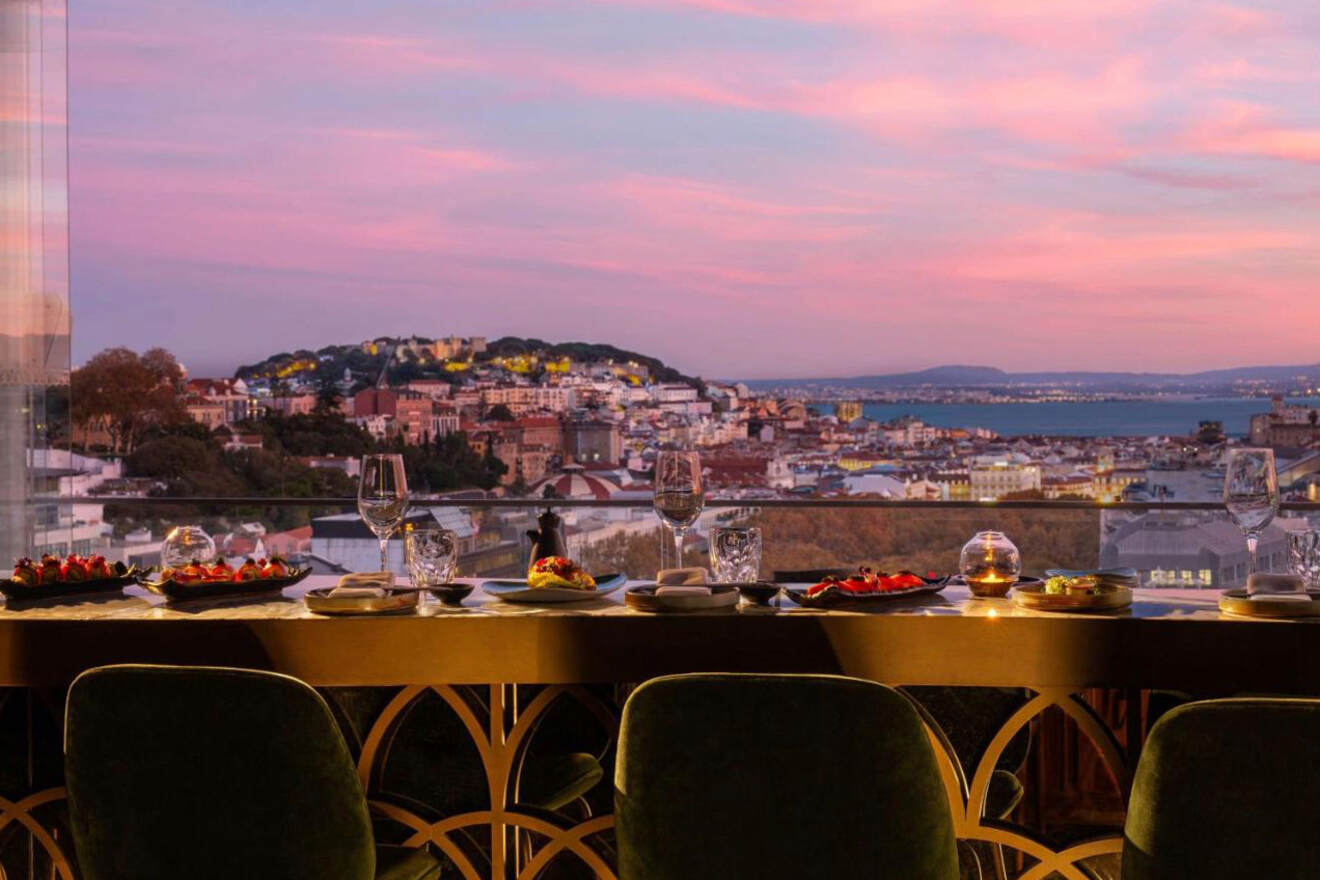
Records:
x=744, y=188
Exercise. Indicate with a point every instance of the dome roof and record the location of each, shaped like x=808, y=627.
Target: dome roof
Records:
x=573, y=482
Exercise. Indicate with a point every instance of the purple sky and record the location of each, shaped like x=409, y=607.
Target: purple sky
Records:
x=744, y=188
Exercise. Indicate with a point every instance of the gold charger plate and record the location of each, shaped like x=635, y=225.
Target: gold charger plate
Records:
x=1238, y=603
x=393, y=602
x=1033, y=596
x=721, y=596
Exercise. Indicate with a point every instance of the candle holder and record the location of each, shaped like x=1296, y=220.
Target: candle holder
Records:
x=990, y=563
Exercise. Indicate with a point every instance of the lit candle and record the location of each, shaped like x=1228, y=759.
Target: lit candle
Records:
x=990, y=564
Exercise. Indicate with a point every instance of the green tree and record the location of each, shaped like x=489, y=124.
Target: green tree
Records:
x=450, y=463
x=321, y=432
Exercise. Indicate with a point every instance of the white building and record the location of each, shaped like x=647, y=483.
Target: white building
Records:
x=874, y=484
x=672, y=392
x=991, y=479
x=345, y=539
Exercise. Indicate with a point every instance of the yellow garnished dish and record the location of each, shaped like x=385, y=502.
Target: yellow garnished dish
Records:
x=1083, y=585
x=559, y=571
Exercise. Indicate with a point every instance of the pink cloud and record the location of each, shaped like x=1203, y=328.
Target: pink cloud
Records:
x=1240, y=128
x=928, y=169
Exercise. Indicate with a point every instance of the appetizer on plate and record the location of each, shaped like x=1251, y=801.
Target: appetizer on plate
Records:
x=72, y=570
x=1081, y=585
x=559, y=571
x=865, y=581
x=222, y=572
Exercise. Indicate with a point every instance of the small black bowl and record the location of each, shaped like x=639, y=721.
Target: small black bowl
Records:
x=452, y=594
x=759, y=593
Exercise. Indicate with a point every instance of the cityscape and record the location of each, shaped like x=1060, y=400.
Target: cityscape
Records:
x=545, y=421
x=650, y=440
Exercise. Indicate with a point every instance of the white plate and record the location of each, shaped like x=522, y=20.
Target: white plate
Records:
x=518, y=591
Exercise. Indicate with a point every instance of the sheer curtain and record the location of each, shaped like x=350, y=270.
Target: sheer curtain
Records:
x=34, y=285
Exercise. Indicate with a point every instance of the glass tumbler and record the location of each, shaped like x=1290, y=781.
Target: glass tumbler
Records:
x=432, y=555
x=1304, y=557
x=735, y=554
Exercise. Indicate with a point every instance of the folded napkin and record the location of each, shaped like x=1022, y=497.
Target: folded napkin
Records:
x=363, y=585
x=681, y=582
x=1275, y=586
x=680, y=577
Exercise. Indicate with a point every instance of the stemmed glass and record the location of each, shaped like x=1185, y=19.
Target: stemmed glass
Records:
x=1251, y=493
x=382, y=497
x=679, y=496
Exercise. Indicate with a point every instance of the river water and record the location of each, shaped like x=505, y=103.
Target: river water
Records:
x=1136, y=418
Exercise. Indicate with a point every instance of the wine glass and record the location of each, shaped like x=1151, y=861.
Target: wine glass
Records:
x=382, y=497
x=1251, y=493
x=678, y=494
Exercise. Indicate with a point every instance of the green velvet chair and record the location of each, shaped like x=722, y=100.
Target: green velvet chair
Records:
x=1226, y=790
x=777, y=776
x=204, y=773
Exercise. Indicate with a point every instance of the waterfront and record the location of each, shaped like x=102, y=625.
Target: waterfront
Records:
x=1120, y=418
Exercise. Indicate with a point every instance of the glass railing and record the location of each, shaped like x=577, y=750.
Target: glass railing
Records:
x=1172, y=544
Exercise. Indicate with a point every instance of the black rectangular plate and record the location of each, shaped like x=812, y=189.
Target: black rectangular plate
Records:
x=840, y=599
x=177, y=592
x=15, y=590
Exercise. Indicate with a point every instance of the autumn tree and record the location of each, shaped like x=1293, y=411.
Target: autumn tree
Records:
x=921, y=539
x=125, y=393
x=635, y=554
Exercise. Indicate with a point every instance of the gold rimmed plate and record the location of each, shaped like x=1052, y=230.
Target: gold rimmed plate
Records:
x=1240, y=604
x=721, y=596
x=392, y=602
x=1034, y=597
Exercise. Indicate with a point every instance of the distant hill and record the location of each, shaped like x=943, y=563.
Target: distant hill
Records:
x=958, y=376
x=587, y=352
x=327, y=365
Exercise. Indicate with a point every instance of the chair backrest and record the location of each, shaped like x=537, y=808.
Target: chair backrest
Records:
x=1227, y=789
x=768, y=776
x=202, y=773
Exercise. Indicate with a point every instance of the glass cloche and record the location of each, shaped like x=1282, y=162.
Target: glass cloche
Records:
x=183, y=545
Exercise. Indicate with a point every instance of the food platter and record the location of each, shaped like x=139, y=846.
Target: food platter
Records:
x=183, y=591
x=1034, y=597
x=518, y=591
x=28, y=592
x=721, y=596
x=391, y=602
x=841, y=598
